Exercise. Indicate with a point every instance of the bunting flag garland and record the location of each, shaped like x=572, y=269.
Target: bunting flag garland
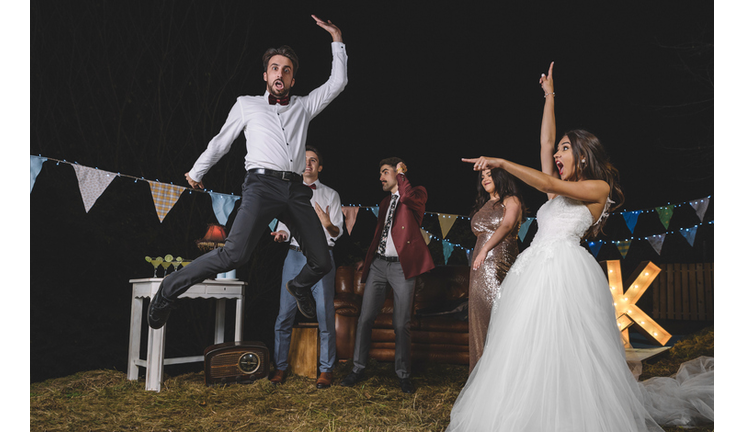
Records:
x=595, y=247
x=700, y=207
x=631, y=219
x=623, y=246
x=656, y=242
x=92, y=183
x=222, y=205
x=665, y=214
x=447, y=248
x=350, y=214
x=445, y=222
x=273, y=224
x=164, y=196
x=689, y=234
x=36, y=163
x=426, y=235
x=524, y=228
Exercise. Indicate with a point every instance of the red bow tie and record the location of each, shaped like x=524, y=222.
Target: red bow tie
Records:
x=273, y=100
x=311, y=186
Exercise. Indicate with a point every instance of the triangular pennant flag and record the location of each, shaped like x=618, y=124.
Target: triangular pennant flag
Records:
x=92, y=183
x=700, y=207
x=689, y=234
x=631, y=219
x=623, y=246
x=656, y=242
x=426, y=235
x=445, y=222
x=350, y=213
x=223, y=205
x=36, y=162
x=595, y=246
x=375, y=210
x=273, y=224
x=447, y=248
x=524, y=228
x=164, y=196
x=665, y=214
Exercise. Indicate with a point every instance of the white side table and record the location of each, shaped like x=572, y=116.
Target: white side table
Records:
x=220, y=289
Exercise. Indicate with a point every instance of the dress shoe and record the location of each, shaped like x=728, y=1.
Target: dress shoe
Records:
x=324, y=380
x=352, y=379
x=406, y=386
x=279, y=377
x=159, y=310
x=305, y=300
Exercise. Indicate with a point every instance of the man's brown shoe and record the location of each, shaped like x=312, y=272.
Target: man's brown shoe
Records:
x=279, y=377
x=324, y=380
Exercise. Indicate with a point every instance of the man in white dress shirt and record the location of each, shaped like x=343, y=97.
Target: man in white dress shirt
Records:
x=328, y=207
x=275, y=127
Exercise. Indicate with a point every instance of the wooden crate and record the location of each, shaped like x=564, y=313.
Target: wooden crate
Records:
x=303, y=350
x=684, y=292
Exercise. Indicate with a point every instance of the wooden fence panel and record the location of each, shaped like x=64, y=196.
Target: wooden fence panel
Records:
x=708, y=291
x=699, y=293
x=670, y=292
x=683, y=292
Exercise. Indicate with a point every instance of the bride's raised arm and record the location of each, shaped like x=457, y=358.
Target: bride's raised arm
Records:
x=547, y=129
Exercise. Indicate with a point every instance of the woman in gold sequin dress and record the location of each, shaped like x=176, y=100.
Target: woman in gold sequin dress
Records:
x=496, y=217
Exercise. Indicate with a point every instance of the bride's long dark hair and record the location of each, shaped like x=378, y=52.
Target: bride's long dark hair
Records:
x=506, y=185
x=597, y=166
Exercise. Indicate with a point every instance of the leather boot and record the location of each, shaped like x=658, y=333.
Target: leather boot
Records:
x=279, y=377
x=305, y=300
x=324, y=380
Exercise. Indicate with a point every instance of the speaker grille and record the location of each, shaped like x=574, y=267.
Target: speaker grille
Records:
x=228, y=364
x=236, y=362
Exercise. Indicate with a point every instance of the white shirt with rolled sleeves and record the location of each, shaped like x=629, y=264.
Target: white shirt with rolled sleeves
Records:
x=325, y=197
x=275, y=135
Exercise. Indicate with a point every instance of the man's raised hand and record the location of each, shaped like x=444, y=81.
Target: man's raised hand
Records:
x=330, y=28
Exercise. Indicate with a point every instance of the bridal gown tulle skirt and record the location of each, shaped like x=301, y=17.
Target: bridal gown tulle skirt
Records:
x=554, y=359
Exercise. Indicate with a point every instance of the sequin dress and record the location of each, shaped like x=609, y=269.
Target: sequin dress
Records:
x=485, y=283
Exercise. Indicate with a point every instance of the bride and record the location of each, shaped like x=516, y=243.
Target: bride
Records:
x=554, y=359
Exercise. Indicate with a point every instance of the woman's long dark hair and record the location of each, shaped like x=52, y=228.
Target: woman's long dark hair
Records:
x=584, y=145
x=506, y=185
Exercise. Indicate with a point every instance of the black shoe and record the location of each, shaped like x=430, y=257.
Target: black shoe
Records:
x=305, y=300
x=352, y=379
x=159, y=310
x=406, y=386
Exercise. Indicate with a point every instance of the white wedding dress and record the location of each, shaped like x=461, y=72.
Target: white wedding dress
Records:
x=554, y=359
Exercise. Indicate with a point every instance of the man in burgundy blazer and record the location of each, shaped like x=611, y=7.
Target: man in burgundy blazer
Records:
x=397, y=254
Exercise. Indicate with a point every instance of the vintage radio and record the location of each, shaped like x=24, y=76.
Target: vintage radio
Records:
x=235, y=362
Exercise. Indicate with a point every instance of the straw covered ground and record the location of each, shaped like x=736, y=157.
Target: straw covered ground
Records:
x=104, y=400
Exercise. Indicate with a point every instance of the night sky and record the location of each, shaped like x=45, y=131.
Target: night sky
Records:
x=141, y=91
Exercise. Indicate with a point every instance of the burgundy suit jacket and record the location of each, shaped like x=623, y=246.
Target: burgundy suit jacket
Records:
x=413, y=252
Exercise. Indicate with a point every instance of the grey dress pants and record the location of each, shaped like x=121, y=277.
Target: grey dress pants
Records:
x=380, y=273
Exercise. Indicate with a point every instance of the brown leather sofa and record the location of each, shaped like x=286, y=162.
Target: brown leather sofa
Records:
x=437, y=334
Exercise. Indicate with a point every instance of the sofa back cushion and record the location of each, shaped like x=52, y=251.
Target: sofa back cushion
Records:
x=441, y=286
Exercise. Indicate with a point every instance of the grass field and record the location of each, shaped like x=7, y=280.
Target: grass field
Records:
x=104, y=400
